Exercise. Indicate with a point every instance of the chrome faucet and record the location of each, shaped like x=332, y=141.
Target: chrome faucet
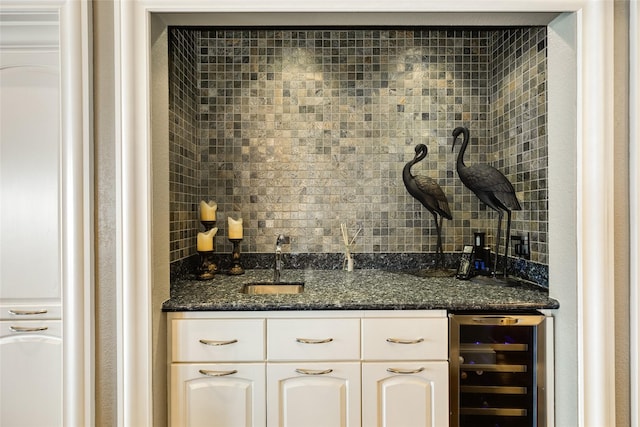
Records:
x=277, y=267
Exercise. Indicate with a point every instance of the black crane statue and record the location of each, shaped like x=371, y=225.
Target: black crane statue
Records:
x=428, y=192
x=491, y=187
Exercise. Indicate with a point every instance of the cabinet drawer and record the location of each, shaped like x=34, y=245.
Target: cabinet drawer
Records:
x=313, y=339
x=206, y=340
x=405, y=339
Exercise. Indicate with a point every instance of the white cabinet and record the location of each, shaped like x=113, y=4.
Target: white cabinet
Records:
x=30, y=237
x=407, y=394
x=29, y=180
x=313, y=394
x=405, y=372
x=217, y=372
x=30, y=363
x=322, y=386
x=325, y=369
x=230, y=395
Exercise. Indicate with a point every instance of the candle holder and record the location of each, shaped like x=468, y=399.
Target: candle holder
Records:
x=208, y=225
x=236, y=269
x=207, y=268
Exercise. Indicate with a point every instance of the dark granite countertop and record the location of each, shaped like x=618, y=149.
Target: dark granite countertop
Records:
x=358, y=290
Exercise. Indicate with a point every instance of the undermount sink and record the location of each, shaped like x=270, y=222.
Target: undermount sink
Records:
x=269, y=288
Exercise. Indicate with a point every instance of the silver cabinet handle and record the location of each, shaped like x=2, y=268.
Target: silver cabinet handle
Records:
x=27, y=312
x=404, y=371
x=217, y=373
x=495, y=320
x=28, y=328
x=403, y=341
x=217, y=343
x=314, y=371
x=313, y=341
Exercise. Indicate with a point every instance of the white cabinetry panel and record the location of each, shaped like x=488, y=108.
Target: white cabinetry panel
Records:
x=320, y=369
x=30, y=232
x=29, y=176
x=31, y=367
x=405, y=339
x=407, y=394
x=218, y=340
x=313, y=394
x=230, y=395
x=313, y=339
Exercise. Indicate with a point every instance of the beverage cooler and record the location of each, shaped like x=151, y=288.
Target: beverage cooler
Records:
x=497, y=370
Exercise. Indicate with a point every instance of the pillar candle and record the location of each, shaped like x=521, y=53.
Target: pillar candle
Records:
x=208, y=210
x=205, y=240
x=235, y=228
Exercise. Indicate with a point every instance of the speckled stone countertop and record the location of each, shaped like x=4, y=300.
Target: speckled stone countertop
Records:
x=357, y=290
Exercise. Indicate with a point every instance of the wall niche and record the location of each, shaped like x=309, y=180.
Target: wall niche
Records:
x=301, y=129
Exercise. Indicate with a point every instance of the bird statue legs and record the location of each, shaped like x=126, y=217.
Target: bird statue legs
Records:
x=495, y=261
x=506, y=243
x=439, y=252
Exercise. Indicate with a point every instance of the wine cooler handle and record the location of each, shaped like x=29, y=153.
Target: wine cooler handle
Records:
x=496, y=320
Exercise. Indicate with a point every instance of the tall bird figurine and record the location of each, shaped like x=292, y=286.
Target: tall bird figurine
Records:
x=428, y=192
x=491, y=187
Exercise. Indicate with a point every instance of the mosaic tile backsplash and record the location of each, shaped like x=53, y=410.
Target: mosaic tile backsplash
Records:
x=299, y=131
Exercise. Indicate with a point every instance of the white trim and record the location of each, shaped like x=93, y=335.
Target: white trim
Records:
x=562, y=119
x=118, y=60
x=77, y=217
x=634, y=208
x=595, y=219
x=134, y=222
x=595, y=127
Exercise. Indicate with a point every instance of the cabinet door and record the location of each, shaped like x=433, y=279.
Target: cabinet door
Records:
x=225, y=395
x=29, y=177
x=313, y=394
x=30, y=373
x=407, y=394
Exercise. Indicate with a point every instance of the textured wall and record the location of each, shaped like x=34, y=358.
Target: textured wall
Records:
x=300, y=130
x=184, y=167
x=518, y=102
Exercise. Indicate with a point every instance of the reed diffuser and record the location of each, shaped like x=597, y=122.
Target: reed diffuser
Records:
x=347, y=264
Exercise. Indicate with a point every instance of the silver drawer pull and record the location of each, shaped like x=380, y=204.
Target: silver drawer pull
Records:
x=28, y=328
x=216, y=343
x=314, y=371
x=27, y=312
x=402, y=341
x=217, y=373
x=405, y=371
x=312, y=341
